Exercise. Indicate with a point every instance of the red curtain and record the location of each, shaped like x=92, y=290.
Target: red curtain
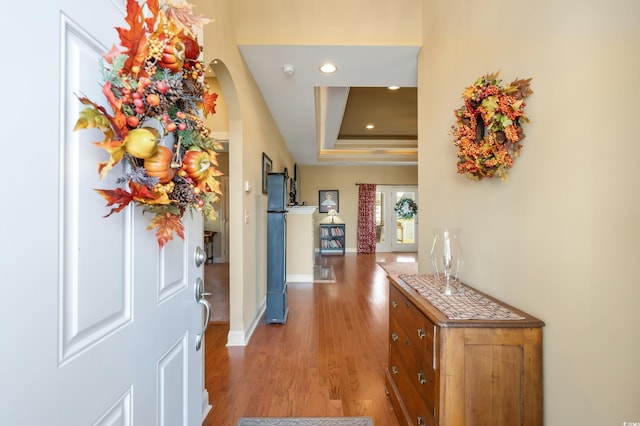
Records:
x=367, y=218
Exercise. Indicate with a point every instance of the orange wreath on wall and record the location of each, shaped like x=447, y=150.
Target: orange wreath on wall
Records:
x=488, y=130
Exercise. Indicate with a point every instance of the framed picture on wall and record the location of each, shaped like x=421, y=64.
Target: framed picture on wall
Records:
x=328, y=200
x=267, y=166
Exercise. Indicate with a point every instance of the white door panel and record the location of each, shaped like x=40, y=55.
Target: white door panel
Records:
x=98, y=324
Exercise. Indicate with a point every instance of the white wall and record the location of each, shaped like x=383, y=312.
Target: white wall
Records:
x=558, y=240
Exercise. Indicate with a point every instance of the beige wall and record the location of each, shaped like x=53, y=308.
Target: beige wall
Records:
x=560, y=238
x=252, y=131
x=344, y=179
x=329, y=22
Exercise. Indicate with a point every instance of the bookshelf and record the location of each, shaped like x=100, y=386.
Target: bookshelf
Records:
x=332, y=238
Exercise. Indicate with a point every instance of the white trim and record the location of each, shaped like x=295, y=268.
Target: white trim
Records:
x=235, y=338
x=206, y=407
x=241, y=338
x=301, y=209
x=220, y=136
x=299, y=278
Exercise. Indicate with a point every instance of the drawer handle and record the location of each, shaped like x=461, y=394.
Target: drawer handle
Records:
x=421, y=333
x=394, y=336
x=394, y=304
x=394, y=369
x=420, y=421
x=407, y=341
x=421, y=378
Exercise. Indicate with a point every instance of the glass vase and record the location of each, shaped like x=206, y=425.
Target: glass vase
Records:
x=446, y=259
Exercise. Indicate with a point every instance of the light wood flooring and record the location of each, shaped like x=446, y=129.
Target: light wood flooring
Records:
x=327, y=360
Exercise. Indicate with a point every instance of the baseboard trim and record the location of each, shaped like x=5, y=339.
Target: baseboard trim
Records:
x=206, y=407
x=235, y=338
x=241, y=338
x=300, y=278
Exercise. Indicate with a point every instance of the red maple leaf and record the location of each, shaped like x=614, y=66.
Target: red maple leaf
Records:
x=119, y=197
x=116, y=122
x=209, y=103
x=119, y=119
x=134, y=39
x=141, y=192
x=166, y=224
x=154, y=8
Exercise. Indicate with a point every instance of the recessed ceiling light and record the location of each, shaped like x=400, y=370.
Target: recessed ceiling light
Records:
x=328, y=68
x=393, y=87
x=288, y=69
x=370, y=126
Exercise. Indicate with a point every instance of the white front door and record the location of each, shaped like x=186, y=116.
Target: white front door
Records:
x=98, y=325
x=393, y=232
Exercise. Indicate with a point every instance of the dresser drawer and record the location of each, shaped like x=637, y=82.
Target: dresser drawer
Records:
x=401, y=308
x=399, y=305
x=411, y=362
x=414, y=329
x=420, y=414
x=419, y=400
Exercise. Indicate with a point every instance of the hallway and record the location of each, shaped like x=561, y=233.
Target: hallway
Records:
x=328, y=360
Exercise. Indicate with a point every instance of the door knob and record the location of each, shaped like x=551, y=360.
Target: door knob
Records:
x=200, y=256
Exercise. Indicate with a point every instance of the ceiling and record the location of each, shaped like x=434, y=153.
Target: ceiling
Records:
x=322, y=117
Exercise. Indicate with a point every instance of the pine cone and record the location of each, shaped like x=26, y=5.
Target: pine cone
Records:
x=192, y=87
x=174, y=93
x=183, y=194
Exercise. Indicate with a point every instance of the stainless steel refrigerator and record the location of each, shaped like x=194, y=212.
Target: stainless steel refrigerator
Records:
x=277, y=308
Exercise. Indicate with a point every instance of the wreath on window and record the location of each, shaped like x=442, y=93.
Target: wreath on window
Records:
x=488, y=130
x=406, y=208
x=157, y=96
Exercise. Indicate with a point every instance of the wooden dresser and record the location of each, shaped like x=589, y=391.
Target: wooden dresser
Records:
x=461, y=372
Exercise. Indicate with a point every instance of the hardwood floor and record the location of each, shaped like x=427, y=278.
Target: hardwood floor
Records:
x=327, y=360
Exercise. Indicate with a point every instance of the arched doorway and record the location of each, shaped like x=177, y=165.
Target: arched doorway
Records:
x=227, y=242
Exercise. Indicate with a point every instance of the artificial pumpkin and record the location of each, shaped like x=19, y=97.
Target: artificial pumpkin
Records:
x=159, y=165
x=172, y=53
x=196, y=164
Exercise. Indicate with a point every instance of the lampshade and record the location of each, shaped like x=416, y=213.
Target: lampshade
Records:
x=332, y=213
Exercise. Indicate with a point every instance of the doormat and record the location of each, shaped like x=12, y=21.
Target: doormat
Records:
x=305, y=421
x=323, y=274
